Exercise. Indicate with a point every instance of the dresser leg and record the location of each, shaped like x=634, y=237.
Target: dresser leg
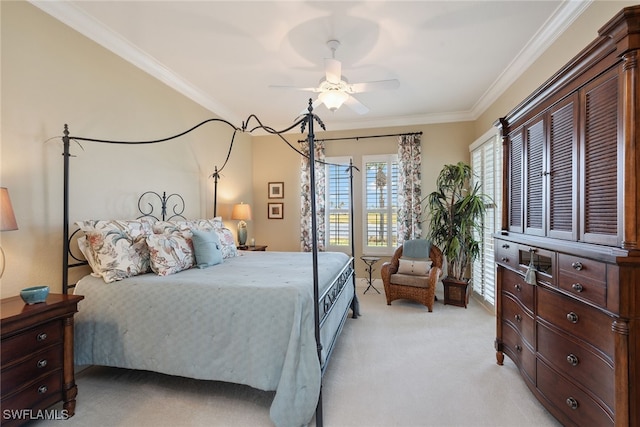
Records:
x=500, y=358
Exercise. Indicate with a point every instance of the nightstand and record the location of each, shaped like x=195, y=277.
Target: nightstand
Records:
x=37, y=357
x=253, y=248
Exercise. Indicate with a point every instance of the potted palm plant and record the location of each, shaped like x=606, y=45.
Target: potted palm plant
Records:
x=455, y=211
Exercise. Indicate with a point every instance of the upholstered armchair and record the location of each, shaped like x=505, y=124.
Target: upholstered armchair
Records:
x=413, y=280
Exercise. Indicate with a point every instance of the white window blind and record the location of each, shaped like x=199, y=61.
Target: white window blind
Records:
x=338, y=203
x=486, y=162
x=380, y=204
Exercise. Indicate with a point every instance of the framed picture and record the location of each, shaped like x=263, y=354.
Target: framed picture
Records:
x=276, y=190
x=275, y=210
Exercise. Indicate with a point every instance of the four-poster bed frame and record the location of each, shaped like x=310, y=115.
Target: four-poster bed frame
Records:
x=323, y=303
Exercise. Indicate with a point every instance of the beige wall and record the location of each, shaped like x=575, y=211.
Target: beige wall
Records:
x=51, y=75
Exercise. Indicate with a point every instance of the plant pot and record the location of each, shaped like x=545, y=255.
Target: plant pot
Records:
x=456, y=292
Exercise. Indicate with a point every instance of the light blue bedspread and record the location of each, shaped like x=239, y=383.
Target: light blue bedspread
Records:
x=248, y=320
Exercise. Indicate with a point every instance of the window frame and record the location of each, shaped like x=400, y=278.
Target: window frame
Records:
x=392, y=208
x=344, y=162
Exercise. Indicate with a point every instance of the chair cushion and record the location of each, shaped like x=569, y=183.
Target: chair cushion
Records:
x=409, y=280
x=414, y=266
x=417, y=248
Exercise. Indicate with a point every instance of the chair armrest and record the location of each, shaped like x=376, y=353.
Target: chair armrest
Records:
x=387, y=270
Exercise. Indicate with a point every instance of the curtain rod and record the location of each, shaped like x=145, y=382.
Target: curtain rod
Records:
x=364, y=137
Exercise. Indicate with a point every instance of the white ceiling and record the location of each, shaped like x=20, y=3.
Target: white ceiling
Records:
x=452, y=58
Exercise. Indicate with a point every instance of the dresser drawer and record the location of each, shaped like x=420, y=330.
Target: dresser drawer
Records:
x=585, y=278
x=515, y=285
x=577, y=319
x=37, y=394
x=30, y=341
x=507, y=253
x=578, y=362
x=39, y=364
x=514, y=345
x=570, y=399
x=521, y=320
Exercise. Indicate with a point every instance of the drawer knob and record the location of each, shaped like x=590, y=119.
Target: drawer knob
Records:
x=505, y=246
x=572, y=403
x=573, y=359
x=518, y=287
x=577, y=287
x=505, y=259
x=572, y=317
x=42, y=363
x=41, y=336
x=518, y=348
x=518, y=318
x=42, y=389
x=577, y=265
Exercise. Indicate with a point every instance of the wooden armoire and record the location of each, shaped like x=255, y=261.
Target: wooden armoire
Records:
x=571, y=215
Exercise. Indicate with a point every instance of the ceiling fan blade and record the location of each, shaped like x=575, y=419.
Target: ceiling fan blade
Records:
x=356, y=105
x=375, y=85
x=306, y=89
x=333, y=70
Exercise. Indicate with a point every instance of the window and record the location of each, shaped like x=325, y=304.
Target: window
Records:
x=486, y=162
x=338, y=203
x=380, y=179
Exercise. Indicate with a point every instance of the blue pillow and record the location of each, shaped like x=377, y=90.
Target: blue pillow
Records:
x=207, y=248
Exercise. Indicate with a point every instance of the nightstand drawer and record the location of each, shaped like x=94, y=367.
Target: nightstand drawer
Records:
x=30, y=341
x=37, y=395
x=36, y=366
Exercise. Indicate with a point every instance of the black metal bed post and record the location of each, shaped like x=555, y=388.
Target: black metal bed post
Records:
x=314, y=251
x=216, y=175
x=355, y=305
x=65, y=215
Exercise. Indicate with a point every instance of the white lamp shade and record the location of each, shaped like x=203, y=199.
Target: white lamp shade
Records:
x=242, y=212
x=7, y=217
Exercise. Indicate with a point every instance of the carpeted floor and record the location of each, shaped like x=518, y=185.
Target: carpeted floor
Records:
x=396, y=365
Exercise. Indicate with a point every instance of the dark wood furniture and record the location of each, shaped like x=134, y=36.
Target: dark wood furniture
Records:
x=259, y=248
x=572, y=202
x=37, y=356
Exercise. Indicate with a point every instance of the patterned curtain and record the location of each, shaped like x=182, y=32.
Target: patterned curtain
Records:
x=409, y=190
x=306, y=242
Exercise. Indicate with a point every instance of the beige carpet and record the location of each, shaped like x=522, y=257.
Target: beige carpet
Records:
x=396, y=365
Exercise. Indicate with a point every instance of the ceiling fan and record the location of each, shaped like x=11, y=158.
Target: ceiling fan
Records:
x=334, y=89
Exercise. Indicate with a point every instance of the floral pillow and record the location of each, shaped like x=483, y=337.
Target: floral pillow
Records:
x=229, y=249
x=117, y=249
x=170, y=253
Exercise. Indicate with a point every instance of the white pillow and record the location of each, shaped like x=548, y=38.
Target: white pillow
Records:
x=414, y=267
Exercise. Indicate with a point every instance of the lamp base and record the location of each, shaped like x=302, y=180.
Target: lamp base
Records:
x=242, y=233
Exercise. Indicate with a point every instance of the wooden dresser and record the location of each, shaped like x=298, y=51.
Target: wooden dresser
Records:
x=572, y=209
x=37, y=358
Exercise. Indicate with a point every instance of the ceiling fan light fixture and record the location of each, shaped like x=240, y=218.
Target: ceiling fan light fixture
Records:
x=333, y=99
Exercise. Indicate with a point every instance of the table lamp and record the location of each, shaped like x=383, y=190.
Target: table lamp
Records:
x=7, y=219
x=241, y=212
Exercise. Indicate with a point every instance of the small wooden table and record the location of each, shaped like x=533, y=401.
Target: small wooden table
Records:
x=252, y=248
x=370, y=260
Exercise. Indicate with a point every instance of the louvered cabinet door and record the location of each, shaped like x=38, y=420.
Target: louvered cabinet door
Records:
x=535, y=176
x=514, y=170
x=600, y=210
x=562, y=174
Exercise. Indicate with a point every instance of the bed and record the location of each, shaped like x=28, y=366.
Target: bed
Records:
x=269, y=320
